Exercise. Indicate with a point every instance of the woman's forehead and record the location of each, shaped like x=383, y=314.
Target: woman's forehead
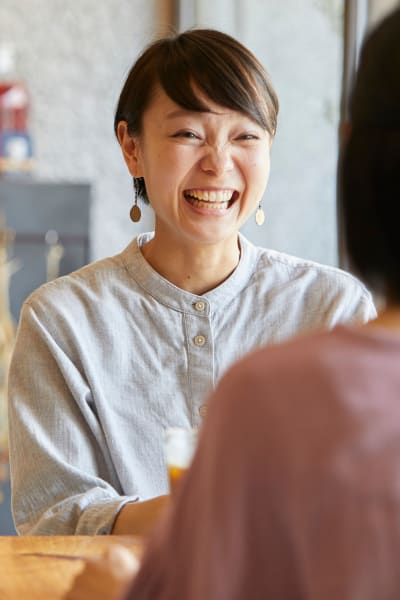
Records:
x=161, y=101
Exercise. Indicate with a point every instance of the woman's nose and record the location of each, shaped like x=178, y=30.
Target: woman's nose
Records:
x=217, y=160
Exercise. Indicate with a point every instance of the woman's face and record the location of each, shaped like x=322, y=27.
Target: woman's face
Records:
x=205, y=172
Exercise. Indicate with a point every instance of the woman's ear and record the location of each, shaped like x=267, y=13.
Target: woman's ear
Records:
x=130, y=149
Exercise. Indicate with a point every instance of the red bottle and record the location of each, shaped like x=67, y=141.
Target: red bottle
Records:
x=15, y=141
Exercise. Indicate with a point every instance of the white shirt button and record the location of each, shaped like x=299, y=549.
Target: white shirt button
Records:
x=200, y=305
x=199, y=340
x=203, y=410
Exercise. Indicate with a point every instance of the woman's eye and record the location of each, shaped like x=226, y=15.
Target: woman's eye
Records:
x=247, y=136
x=186, y=134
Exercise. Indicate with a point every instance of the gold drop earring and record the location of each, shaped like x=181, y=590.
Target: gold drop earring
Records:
x=260, y=216
x=135, y=213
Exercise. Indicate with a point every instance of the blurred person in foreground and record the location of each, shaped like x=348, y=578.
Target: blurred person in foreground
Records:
x=294, y=492
x=109, y=357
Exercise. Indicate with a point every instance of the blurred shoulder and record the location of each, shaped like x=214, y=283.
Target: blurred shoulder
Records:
x=317, y=286
x=291, y=266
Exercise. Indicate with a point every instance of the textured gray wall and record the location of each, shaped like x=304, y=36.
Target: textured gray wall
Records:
x=301, y=45
x=74, y=57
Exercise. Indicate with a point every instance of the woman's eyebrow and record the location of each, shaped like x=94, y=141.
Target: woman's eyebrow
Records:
x=185, y=112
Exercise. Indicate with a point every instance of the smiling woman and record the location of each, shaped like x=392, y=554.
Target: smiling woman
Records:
x=111, y=356
x=197, y=137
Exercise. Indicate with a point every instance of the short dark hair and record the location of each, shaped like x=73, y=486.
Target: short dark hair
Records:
x=369, y=172
x=217, y=64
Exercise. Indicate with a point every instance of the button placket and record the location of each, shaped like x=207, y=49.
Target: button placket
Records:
x=200, y=357
x=199, y=340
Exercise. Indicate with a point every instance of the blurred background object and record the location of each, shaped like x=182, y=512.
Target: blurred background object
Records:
x=15, y=140
x=50, y=221
x=55, y=253
x=7, y=336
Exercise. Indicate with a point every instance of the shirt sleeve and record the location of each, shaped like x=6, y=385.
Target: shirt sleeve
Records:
x=366, y=310
x=62, y=477
x=347, y=301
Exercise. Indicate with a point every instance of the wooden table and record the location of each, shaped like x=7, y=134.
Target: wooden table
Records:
x=42, y=568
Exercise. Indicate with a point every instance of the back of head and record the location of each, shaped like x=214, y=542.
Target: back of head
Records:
x=376, y=96
x=370, y=174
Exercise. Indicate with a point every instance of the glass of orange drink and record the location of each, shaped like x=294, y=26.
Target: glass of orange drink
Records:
x=180, y=445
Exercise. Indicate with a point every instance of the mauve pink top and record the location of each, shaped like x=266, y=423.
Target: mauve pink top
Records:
x=294, y=493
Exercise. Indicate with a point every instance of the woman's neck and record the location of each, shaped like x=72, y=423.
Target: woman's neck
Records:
x=193, y=268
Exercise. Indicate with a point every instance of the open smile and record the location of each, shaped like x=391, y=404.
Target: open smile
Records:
x=211, y=199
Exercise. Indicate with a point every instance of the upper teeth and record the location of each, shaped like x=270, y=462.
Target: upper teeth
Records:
x=211, y=196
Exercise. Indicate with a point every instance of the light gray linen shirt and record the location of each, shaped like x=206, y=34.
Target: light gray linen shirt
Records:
x=110, y=356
